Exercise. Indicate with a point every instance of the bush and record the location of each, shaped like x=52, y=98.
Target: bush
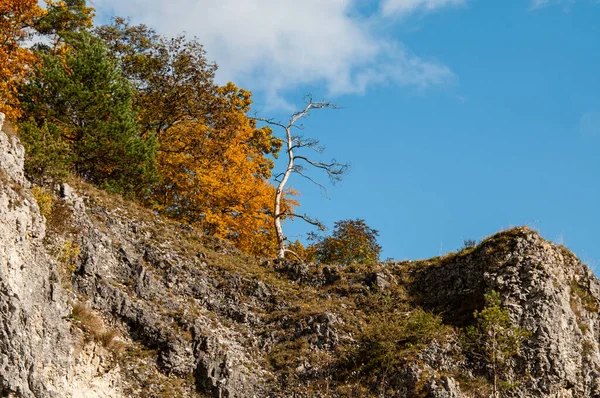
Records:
x=390, y=341
x=44, y=199
x=352, y=242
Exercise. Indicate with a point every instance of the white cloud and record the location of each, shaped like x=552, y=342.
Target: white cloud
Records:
x=405, y=7
x=276, y=45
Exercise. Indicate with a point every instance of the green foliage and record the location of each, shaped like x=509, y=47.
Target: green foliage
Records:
x=390, y=340
x=468, y=243
x=494, y=342
x=64, y=16
x=587, y=300
x=84, y=97
x=352, y=242
x=47, y=155
x=172, y=78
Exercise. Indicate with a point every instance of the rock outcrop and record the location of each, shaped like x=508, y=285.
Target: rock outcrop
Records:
x=102, y=298
x=38, y=351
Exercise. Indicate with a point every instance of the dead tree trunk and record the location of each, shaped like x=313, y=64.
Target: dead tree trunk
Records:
x=293, y=143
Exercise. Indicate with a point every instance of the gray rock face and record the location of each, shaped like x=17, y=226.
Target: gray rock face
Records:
x=34, y=340
x=196, y=318
x=547, y=290
x=39, y=356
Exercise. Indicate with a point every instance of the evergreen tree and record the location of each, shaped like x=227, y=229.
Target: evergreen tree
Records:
x=47, y=156
x=80, y=91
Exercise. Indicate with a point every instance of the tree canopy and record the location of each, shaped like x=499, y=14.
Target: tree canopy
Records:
x=352, y=242
x=17, y=18
x=213, y=161
x=140, y=113
x=83, y=94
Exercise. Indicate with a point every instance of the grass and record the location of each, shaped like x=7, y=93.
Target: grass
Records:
x=588, y=301
x=87, y=320
x=8, y=129
x=17, y=188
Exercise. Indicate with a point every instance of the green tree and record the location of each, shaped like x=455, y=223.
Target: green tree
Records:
x=494, y=341
x=47, y=156
x=80, y=92
x=173, y=81
x=352, y=242
x=393, y=336
x=64, y=16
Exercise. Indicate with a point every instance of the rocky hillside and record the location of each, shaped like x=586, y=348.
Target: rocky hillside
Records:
x=102, y=298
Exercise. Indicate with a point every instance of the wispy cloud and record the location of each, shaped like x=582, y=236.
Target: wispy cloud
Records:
x=277, y=45
x=405, y=7
x=536, y=4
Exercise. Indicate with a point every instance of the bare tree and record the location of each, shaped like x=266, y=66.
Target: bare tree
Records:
x=298, y=163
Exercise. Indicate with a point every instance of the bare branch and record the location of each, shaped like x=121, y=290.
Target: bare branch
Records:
x=310, y=143
x=299, y=171
x=334, y=169
x=294, y=254
x=312, y=221
x=269, y=121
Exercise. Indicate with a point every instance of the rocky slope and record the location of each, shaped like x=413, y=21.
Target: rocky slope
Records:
x=102, y=298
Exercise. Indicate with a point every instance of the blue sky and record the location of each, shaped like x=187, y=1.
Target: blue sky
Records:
x=459, y=117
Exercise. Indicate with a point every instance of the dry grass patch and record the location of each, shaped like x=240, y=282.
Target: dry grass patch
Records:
x=91, y=324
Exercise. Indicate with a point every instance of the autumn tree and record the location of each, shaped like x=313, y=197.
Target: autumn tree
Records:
x=213, y=161
x=173, y=80
x=217, y=176
x=20, y=21
x=84, y=97
x=297, y=163
x=17, y=18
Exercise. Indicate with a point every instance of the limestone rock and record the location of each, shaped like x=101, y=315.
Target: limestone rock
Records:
x=194, y=317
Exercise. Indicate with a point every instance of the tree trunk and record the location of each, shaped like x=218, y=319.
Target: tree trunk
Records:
x=278, y=213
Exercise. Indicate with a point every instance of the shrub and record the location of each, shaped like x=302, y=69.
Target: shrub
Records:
x=468, y=243
x=390, y=341
x=44, y=199
x=66, y=256
x=352, y=242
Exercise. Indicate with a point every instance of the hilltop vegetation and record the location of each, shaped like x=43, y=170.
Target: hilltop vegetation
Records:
x=139, y=114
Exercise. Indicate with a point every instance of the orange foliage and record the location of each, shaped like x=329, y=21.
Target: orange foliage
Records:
x=16, y=19
x=19, y=19
x=214, y=173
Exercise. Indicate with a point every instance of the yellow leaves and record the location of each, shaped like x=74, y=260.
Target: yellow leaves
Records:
x=216, y=175
x=16, y=18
